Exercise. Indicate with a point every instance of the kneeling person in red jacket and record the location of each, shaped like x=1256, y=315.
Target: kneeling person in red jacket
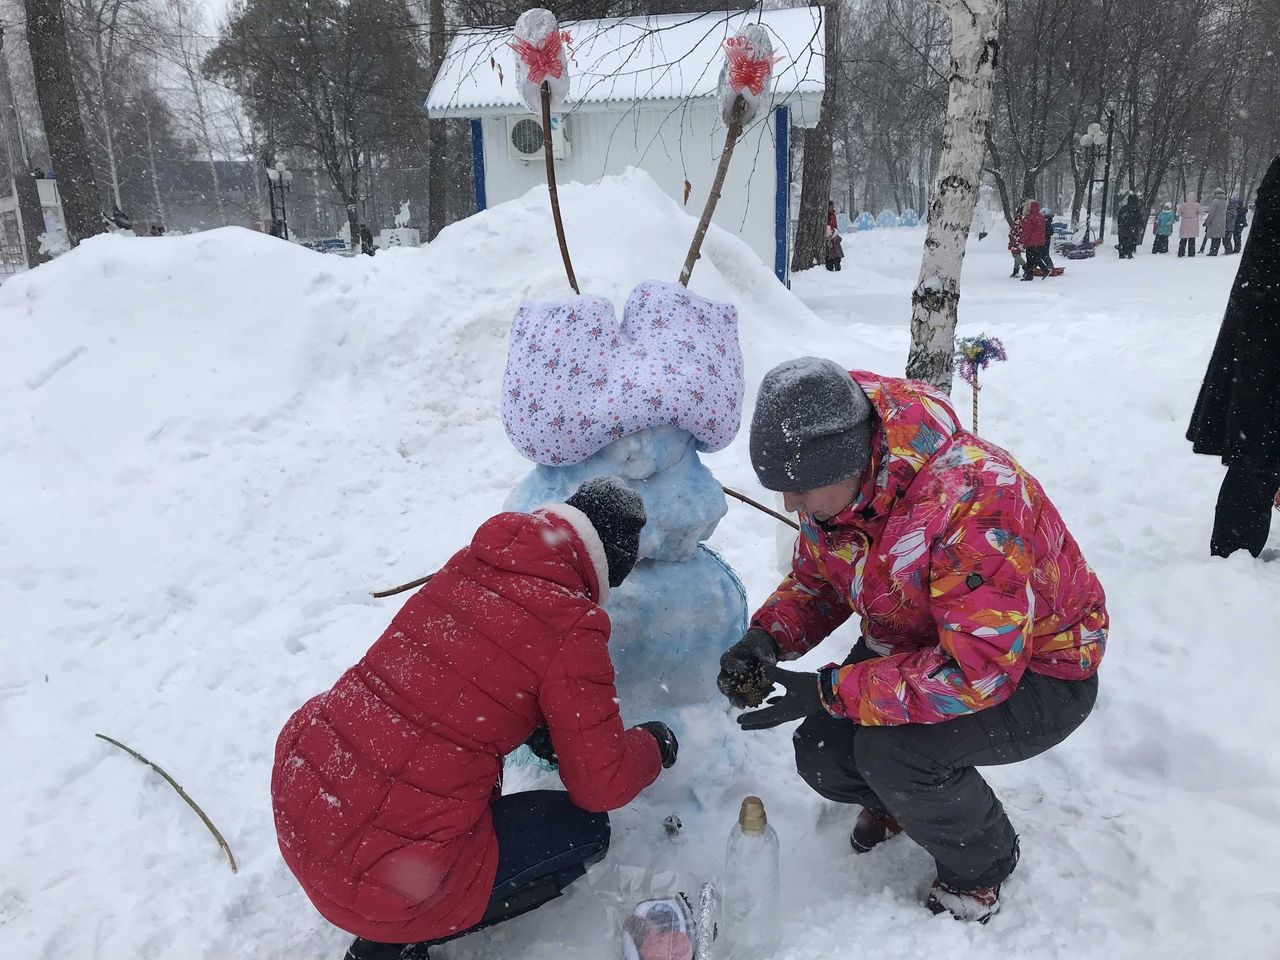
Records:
x=386, y=788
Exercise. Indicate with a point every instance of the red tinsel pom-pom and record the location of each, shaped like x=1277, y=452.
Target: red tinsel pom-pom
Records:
x=543, y=59
x=746, y=71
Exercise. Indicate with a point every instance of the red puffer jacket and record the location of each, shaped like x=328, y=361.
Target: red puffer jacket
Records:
x=382, y=785
x=1033, y=224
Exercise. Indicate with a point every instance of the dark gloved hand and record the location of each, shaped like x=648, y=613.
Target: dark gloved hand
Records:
x=539, y=743
x=742, y=678
x=668, y=746
x=801, y=699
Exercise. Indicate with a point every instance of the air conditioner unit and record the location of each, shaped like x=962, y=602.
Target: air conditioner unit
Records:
x=524, y=138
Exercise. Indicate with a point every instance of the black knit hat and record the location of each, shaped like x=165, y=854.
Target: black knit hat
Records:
x=617, y=513
x=811, y=427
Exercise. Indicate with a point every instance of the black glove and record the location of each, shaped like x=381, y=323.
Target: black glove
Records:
x=668, y=746
x=742, y=678
x=801, y=699
x=539, y=744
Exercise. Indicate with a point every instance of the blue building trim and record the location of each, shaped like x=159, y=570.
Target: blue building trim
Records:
x=782, y=194
x=477, y=163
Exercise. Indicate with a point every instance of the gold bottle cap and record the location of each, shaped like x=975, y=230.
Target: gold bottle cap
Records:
x=752, y=818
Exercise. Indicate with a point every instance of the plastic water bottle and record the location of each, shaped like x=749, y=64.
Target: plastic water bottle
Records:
x=750, y=888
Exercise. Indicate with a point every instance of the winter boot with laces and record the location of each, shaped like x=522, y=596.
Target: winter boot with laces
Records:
x=873, y=827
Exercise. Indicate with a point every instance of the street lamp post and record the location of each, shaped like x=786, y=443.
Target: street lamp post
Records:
x=278, y=179
x=1090, y=140
x=1106, y=173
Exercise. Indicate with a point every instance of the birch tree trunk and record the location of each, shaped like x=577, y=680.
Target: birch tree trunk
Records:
x=936, y=297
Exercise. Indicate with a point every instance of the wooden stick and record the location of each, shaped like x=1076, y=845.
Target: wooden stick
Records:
x=730, y=140
x=760, y=506
x=551, y=184
x=182, y=793
x=976, y=388
x=402, y=588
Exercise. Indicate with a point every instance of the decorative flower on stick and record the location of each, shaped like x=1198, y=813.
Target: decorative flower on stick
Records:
x=974, y=353
x=542, y=68
x=744, y=80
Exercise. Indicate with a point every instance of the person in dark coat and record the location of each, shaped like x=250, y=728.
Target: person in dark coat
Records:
x=387, y=788
x=1237, y=414
x=1241, y=221
x=1129, y=223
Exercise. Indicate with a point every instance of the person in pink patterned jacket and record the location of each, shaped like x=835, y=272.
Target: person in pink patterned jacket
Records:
x=981, y=623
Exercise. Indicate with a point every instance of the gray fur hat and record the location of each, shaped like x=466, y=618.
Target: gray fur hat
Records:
x=811, y=427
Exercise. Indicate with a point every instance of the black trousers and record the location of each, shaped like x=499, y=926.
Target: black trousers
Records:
x=1160, y=244
x=544, y=844
x=923, y=774
x=1214, y=243
x=1038, y=258
x=1242, y=519
x=1236, y=234
x=1187, y=246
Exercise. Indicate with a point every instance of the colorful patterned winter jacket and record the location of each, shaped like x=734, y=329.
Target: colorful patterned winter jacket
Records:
x=961, y=569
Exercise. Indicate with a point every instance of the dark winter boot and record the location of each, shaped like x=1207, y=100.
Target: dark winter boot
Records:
x=974, y=905
x=369, y=950
x=873, y=827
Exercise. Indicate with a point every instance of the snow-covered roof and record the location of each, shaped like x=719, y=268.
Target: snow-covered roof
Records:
x=630, y=59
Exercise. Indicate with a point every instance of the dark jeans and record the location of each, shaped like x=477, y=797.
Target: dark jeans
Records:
x=1187, y=246
x=923, y=774
x=1235, y=235
x=1242, y=519
x=544, y=844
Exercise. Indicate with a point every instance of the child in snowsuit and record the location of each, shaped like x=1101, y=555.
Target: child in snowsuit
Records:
x=387, y=788
x=835, y=251
x=1164, y=228
x=982, y=626
x=1015, y=244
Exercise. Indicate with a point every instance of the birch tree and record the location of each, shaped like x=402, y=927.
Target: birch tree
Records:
x=935, y=300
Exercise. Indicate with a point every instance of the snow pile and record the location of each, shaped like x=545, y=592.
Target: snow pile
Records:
x=216, y=445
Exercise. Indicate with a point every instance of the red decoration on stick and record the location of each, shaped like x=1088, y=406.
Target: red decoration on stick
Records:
x=543, y=59
x=746, y=70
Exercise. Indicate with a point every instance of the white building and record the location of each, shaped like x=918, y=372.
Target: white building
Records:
x=643, y=93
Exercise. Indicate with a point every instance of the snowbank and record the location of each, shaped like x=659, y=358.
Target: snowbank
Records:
x=215, y=445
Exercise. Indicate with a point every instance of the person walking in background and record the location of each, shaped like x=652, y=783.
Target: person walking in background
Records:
x=1215, y=223
x=1015, y=243
x=1237, y=413
x=1033, y=239
x=1237, y=225
x=1233, y=204
x=1129, y=223
x=1163, y=228
x=1189, y=226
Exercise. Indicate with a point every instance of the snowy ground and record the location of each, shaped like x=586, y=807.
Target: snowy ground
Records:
x=216, y=445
